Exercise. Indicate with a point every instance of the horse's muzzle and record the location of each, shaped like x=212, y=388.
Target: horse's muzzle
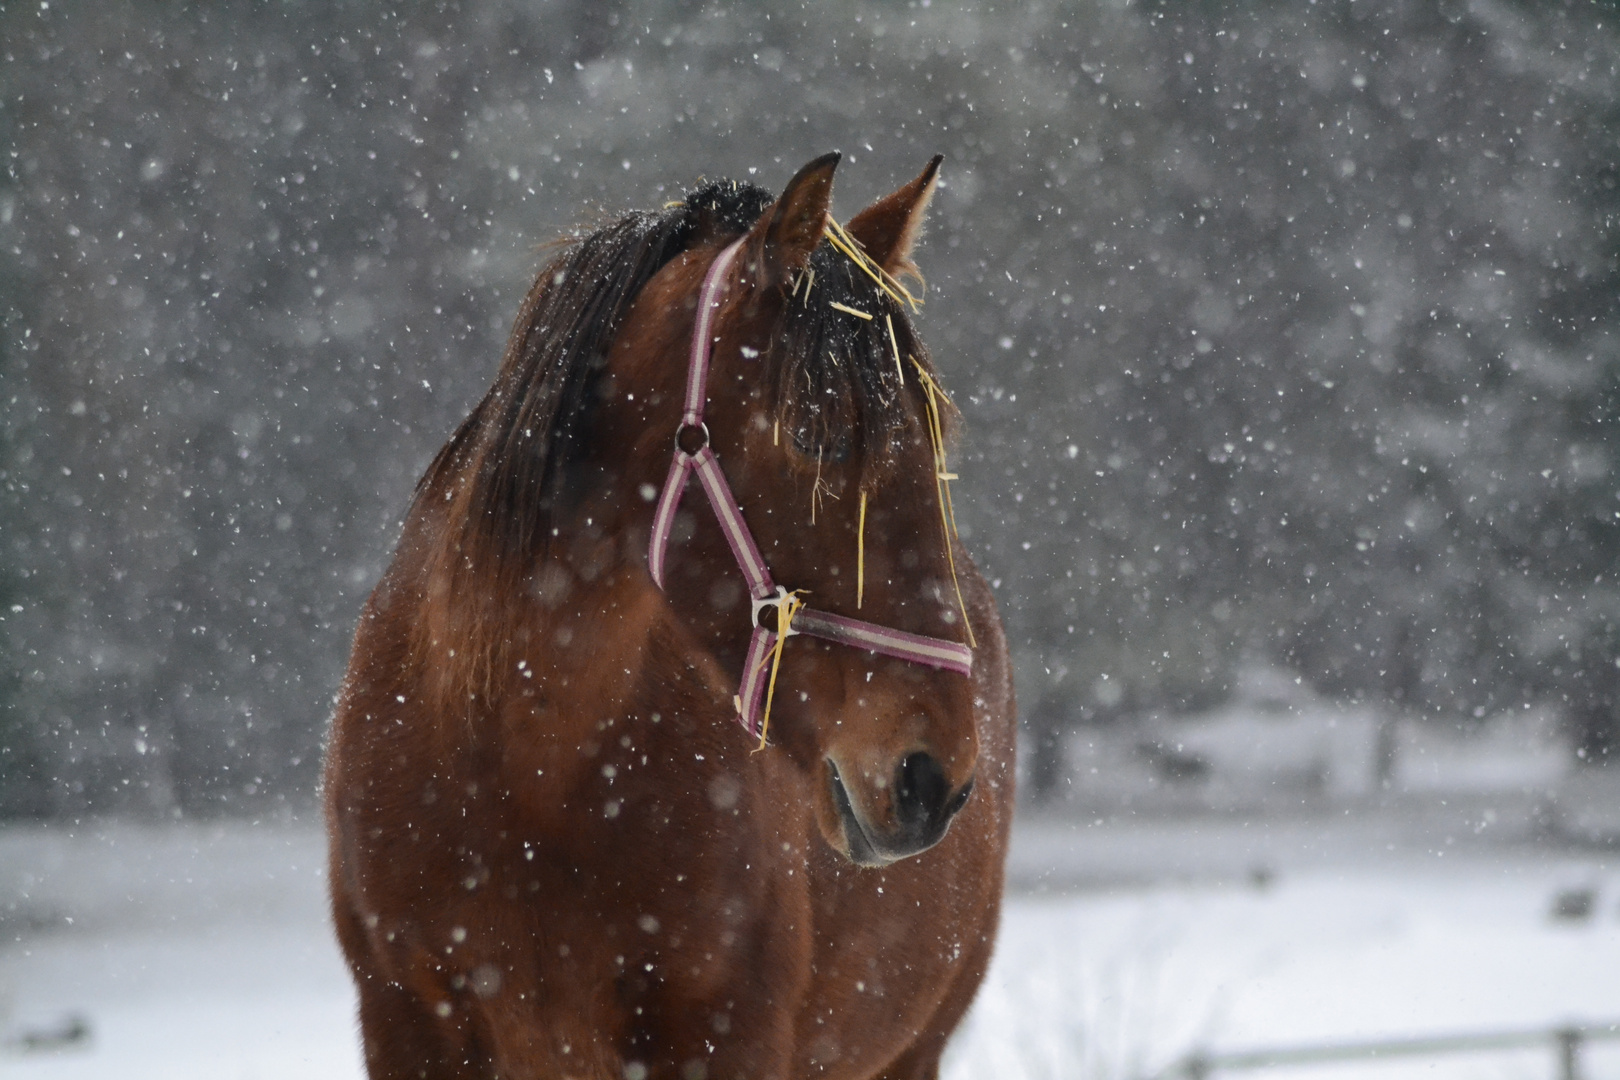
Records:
x=923, y=808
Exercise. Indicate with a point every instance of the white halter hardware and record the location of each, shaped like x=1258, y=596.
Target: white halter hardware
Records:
x=916, y=648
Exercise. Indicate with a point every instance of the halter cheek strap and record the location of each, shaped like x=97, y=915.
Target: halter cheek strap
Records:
x=764, y=592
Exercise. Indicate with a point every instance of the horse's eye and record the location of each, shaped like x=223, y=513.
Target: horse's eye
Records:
x=834, y=451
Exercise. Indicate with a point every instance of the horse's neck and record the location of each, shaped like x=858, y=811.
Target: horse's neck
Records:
x=594, y=599
x=605, y=669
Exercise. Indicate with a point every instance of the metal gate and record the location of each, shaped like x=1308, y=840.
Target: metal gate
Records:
x=1565, y=1042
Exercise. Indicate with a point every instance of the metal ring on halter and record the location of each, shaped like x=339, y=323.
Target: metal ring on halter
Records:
x=682, y=430
x=764, y=602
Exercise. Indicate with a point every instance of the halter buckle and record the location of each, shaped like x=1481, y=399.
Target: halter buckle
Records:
x=763, y=602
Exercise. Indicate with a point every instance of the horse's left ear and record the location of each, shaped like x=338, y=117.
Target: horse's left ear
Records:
x=889, y=227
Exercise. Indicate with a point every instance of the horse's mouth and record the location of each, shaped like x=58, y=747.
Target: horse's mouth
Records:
x=862, y=852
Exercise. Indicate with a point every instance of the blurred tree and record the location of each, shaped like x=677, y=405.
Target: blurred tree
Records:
x=1284, y=332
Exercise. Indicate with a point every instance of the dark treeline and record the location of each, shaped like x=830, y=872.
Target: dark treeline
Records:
x=1285, y=333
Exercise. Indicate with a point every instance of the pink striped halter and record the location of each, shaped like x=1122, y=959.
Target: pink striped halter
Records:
x=916, y=648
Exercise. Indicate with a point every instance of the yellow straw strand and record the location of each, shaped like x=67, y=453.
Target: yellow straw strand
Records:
x=945, y=476
x=881, y=284
x=950, y=557
x=841, y=240
x=785, y=610
x=884, y=280
x=849, y=310
x=936, y=433
x=894, y=343
x=860, y=555
x=950, y=503
x=942, y=478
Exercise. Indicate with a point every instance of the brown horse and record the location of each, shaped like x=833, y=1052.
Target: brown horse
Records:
x=553, y=852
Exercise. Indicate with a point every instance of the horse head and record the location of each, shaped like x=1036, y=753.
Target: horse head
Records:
x=823, y=410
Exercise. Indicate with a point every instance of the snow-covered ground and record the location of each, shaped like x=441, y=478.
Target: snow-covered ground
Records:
x=1292, y=934
x=190, y=951
x=203, y=950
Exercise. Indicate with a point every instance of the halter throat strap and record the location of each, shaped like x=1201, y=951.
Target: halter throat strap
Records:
x=694, y=454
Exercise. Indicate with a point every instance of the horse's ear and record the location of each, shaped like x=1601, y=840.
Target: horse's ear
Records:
x=790, y=230
x=889, y=227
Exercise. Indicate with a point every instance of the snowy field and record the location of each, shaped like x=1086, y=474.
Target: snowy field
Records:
x=203, y=950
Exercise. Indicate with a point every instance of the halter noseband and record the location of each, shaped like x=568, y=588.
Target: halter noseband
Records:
x=856, y=633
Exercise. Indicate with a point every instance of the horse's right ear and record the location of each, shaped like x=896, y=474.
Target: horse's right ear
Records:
x=790, y=230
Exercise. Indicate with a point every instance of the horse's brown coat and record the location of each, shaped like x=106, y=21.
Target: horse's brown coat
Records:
x=553, y=851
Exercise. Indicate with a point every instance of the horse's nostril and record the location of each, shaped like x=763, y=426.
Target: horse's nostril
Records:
x=920, y=790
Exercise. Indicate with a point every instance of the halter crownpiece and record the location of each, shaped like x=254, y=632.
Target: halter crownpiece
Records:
x=764, y=592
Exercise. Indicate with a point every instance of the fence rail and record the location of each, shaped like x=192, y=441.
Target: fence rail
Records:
x=1567, y=1042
